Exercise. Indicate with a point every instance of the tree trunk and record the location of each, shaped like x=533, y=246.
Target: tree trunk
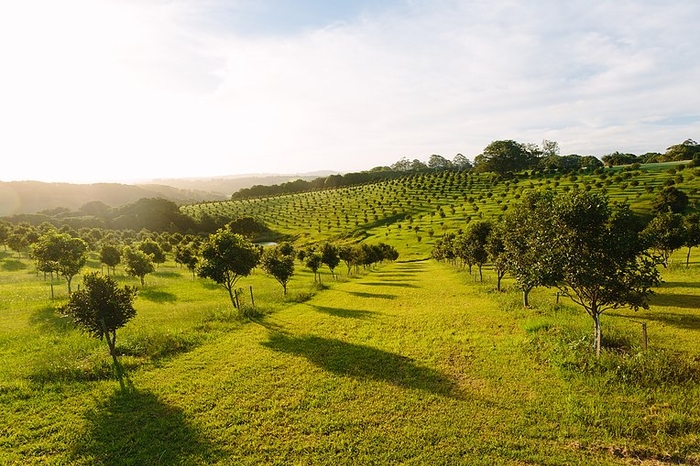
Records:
x=230, y=294
x=526, y=296
x=598, y=332
x=481, y=276
x=687, y=258
x=112, y=343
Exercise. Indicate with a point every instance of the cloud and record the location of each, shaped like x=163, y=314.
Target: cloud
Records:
x=180, y=88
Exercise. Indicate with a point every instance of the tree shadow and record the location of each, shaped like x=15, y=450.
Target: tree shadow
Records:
x=13, y=265
x=165, y=274
x=364, y=363
x=361, y=294
x=686, y=301
x=136, y=427
x=684, y=321
x=49, y=319
x=345, y=313
x=157, y=296
x=680, y=285
x=388, y=283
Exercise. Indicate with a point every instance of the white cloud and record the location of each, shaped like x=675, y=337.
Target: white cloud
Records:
x=117, y=90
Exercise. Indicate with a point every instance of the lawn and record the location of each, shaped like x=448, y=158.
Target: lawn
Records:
x=411, y=363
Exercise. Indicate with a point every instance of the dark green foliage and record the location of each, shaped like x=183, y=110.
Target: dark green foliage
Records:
x=101, y=308
x=279, y=265
x=670, y=199
x=137, y=263
x=503, y=157
x=226, y=257
x=601, y=261
x=665, y=234
x=110, y=256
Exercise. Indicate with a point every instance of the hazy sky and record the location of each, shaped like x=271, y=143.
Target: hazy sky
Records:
x=100, y=90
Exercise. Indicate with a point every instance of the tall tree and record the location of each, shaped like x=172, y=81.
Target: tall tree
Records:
x=505, y=157
x=226, y=258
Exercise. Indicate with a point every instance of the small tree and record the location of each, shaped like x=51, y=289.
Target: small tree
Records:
x=313, y=261
x=72, y=259
x=280, y=266
x=226, y=257
x=153, y=249
x=665, y=234
x=329, y=256
x=187, y=255
x=138, y=263
x=606, y=264
x=495, y=249
x=110, y=256
x=526, y=234
x=670, y=198
x=101, y=308
x=692, y=234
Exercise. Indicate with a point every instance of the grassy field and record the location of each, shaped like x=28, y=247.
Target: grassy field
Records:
x=411, y=363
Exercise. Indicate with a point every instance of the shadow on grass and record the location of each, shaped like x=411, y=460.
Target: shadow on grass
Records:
x=364, y=363
x=49, y=318
x=680, y=285
x=136, y=427
x=361, y=294
x=345, y=313
x=13, y=265
x=687, y=301
x=157, y=296
x=167, y=274
x=389, y=283
x=684, y=321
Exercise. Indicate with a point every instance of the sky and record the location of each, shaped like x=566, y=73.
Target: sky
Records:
x=130, y=90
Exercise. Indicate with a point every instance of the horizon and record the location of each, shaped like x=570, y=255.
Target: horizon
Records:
x=111, y=91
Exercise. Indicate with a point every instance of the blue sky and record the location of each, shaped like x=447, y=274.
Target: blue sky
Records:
x=121, y=90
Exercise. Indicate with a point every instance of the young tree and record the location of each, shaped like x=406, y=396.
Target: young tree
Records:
x=313, y=261
x=670, y=198
x=153, y=249
x=476, y=238
x=692, y=234
x=72, y=259
x=186, y=254
x=526, y=236
x=665, y=234
x=329, y=256
x=110, y=256
x=101, y=308
x=495, y=249
x=280, y=266
x=226, y=257
x=348, y=254
x=137, y=263
x=606, y=265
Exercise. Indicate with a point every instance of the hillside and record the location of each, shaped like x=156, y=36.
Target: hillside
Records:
x=26, y=197
x=21, y=197
x=413, y=211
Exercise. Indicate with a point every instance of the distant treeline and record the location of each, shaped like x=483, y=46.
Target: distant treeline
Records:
x=153, y=214
x=329, y=182
x=687, y=150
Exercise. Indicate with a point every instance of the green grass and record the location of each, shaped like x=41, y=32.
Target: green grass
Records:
x=412, y=363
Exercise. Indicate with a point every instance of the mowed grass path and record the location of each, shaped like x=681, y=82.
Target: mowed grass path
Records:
x=408, y=364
